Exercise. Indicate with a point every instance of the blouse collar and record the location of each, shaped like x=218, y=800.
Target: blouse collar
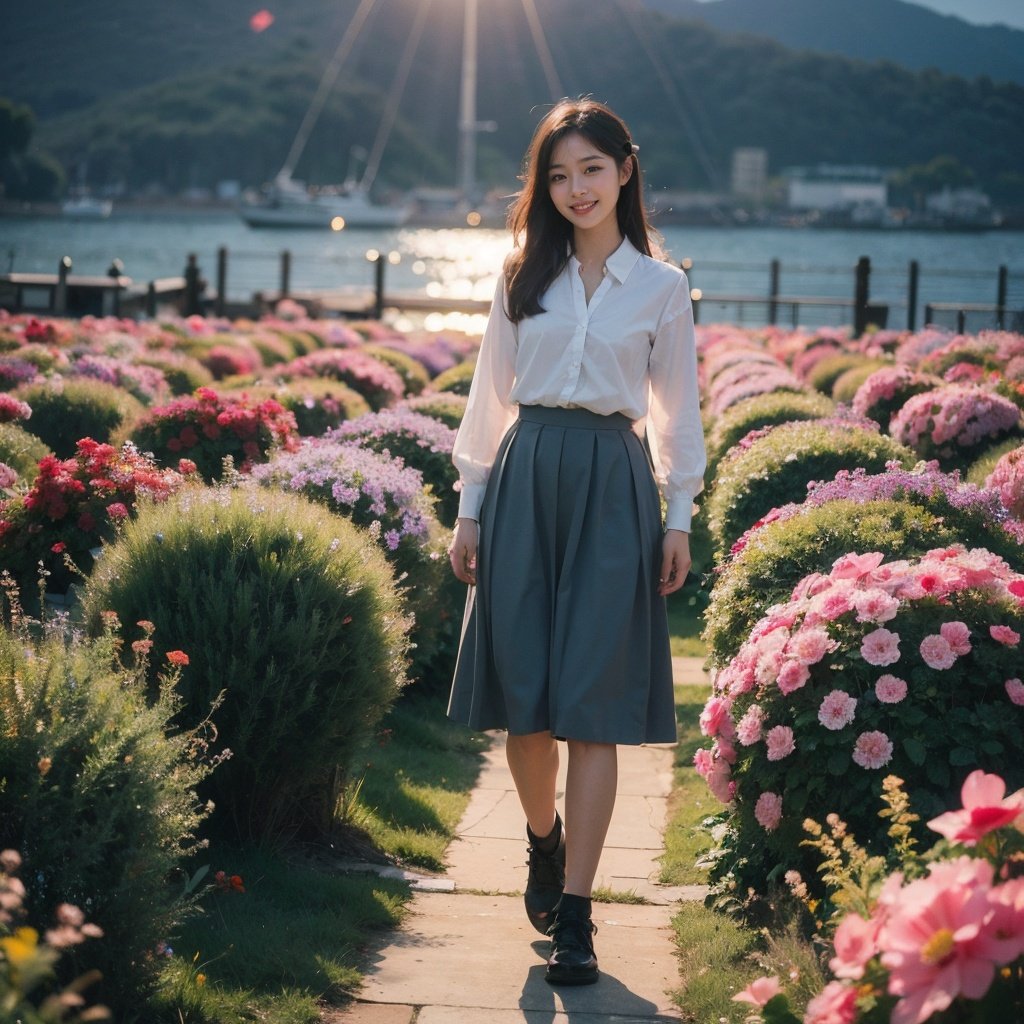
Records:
x=620, y=263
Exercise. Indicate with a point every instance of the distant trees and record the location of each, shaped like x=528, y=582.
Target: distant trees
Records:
x=24, y=174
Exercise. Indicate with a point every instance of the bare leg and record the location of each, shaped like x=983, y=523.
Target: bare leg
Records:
x=533, y=761
x=589, y=801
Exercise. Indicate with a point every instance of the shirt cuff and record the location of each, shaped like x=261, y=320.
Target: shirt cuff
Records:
x=471, y=497
x=679, y=514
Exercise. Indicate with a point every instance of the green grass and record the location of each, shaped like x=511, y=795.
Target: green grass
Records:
x=292, y=940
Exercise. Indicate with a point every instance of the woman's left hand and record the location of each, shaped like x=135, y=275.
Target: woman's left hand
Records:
x=675, y=561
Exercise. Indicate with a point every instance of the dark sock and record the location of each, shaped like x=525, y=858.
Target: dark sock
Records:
x=579, y=905
x=550, y=842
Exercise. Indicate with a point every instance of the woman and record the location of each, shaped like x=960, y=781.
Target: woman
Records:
x=590, y=338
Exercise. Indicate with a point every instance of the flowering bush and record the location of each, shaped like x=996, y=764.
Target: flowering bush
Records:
x=951, y=422
x=317, y=404
x=780, y=464
x=414, y=375
x=183, y=373
x=941, y=939
x=434, y=352
x=146, y=383
x=1007, y=479
x=208, y=426
x=15, y=371
x=729, y=389
x=912, y=665
x=420, y=441
x=826, y=371
x=445, y=406
x=76, y=505
x=887, y=390
x=12, y=410
x=457, y=379
x=379, y=384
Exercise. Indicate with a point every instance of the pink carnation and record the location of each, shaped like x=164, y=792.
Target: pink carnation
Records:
x=792, y=676
x=1015, y=691
x=958, y=636
x=779, y=742
x=1005, y=635
x=836, y=1003
x=748, y=729
x=881, y=647
x=890, y=689
x=768, y=811
x=936, y=652
x=872, y=749
x=837, y=710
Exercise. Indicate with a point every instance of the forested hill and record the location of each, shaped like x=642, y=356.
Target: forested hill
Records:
x=186, y=94
x=904, y=33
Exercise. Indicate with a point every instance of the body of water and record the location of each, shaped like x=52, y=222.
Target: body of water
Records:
x=463, y=263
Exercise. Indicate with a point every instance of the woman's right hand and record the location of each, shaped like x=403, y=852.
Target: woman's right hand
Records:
x=462, y=550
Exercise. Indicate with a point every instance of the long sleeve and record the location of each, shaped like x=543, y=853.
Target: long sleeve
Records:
x=674, y=427
x=489, y=411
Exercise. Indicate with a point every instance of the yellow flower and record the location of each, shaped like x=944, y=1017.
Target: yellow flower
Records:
x=21, y=946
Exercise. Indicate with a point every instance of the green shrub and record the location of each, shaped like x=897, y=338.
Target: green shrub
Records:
x=21, y=451
x=182, y=373
x=413, y=373
x=777, y=468
x=446, y=406
x=98, y=793
x=846, y=384
x=761, y=411
x=826, y=371
x=317, y=404
x=63, y=414
x=456, y=379
x=290, y=611
x=978, y=471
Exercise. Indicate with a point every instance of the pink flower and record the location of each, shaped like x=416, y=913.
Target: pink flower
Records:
x=792, y=676
x=875, y=606
x=1015, y=691
x=890, y=689
x=703, y=760
x=837, y=710
x=984, y=809
x=779, y=742
x=936, y=652
x=929, y=940
x=117, y=510
x=768, y=811
x=872, y=749
x=855, y=567
x=834, y=604
x=1004, y=635
x=881, y=647
x=855, y=943
x=759, y=991
x=810, y=645
x=836, y=1003
x=1003, y=938
x=748, y=729
x=719, y=780
x=715, y=715
x=958, y=636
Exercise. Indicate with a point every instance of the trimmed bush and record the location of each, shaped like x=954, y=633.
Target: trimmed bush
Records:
x=21, y=450
x=777, y=467
x=97, y=792
x=182, y=373
x=824, y=374
x=1007, y=480
x=885, y=391
x=413, y=373
x=376, y=381
x=909, y=667
x=982, y=467
x=761, y=411
x=458, y=379
x=445, y=406
x=421, y=442
x=317, y=405
x=292, y=613
x=146, y=383
x=846, y=384
x=65, y=412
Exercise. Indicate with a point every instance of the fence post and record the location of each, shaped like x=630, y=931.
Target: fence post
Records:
x=961, y=321
x=913, y=275
x=286, y=273
x=378, y=286
x=192, y=287
x=151, y=300
x=773, y=291
x=928, y=313
x=1001, y=297
x=222, y=280
x=114, y=271
x=861, y=295
x=59, y=302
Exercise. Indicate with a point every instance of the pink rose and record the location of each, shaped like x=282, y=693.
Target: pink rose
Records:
x=881, y=647
x=836, y=1003
x=1015, y=691
x=715, y=715
x=936, y=652
x=779, y=742
x=837, y=710
x=872, y=750
x=748, y=729
x=703, y=761
x=792, y=676
x=875, y=606
x=719, y=780
x=834, y=604
x=890, y=689
x=1004, y=635
x=768, y=811
x=958, y=636
x=855, y=567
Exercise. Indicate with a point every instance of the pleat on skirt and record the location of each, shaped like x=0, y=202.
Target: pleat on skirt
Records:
x=565, y=631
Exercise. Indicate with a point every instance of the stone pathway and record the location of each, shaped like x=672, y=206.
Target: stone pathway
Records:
x=466, y=953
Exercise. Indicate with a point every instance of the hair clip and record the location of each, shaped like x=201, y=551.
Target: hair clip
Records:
x=631, y=148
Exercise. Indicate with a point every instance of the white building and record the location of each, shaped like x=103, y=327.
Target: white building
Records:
x=836, y=187
x=749, y=172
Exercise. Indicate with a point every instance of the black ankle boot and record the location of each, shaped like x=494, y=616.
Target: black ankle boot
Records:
x=572, y=960
x=546, y=878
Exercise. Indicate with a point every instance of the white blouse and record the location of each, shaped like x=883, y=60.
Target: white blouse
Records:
x=630, y=351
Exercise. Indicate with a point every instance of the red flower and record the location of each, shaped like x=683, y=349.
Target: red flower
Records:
x=177, y=657
x=87, y=522
x=228, y=883
x=59, y=547
x=186, y=466
x=117, y=510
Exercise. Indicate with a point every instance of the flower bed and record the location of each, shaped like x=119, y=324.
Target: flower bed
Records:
x=886, y=391
x=379, y=384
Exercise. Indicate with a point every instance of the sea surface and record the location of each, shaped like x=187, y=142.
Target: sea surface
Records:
x=726, y=263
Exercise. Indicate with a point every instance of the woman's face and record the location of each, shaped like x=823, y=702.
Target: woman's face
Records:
x=584, y=183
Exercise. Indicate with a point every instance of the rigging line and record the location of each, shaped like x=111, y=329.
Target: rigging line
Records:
x=672, y=92
x=330, y=76
x=395, y=96
x=543, y=52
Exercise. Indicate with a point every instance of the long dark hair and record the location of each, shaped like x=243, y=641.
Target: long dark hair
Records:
x=544, y=238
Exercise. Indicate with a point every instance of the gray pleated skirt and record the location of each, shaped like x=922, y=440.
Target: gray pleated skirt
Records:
x=565, y=631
